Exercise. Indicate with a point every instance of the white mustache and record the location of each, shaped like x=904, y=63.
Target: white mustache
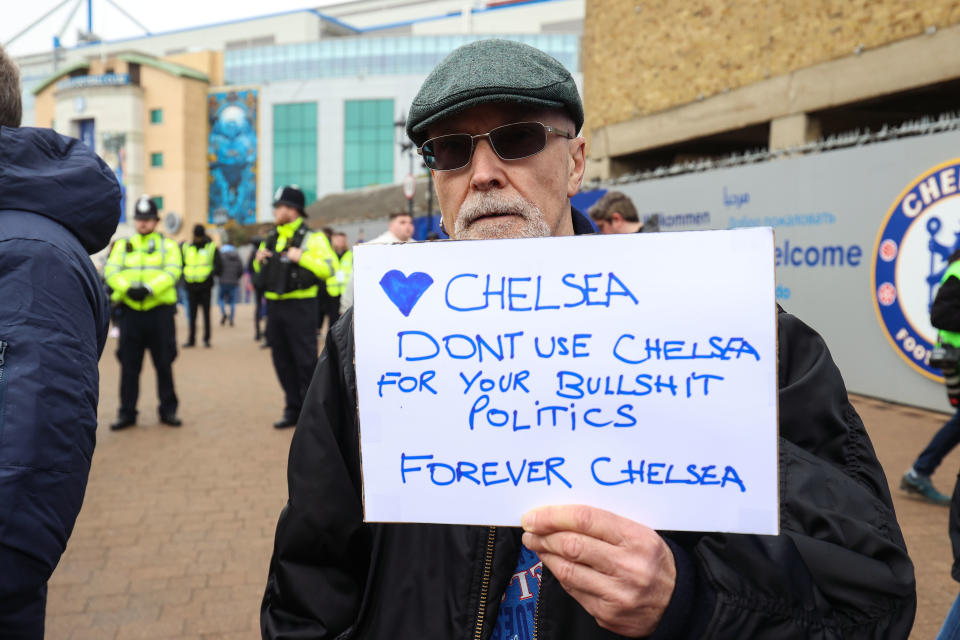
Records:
x=479, y=204
x=483, y=204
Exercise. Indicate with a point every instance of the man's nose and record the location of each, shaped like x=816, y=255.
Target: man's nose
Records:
x=486, y=167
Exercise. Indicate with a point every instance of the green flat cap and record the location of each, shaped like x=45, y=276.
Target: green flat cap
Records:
x=492, y=71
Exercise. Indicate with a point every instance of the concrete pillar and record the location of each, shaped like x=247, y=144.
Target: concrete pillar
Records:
x=598, y=166
x=793, y=130
x=596, y=169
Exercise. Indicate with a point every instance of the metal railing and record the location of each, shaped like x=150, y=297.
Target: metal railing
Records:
x=926, y=125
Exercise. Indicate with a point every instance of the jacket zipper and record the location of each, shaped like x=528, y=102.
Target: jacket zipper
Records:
x=536, y=609
x=485, y=582
x=3, y=379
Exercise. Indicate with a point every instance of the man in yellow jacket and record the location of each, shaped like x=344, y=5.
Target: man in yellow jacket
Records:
x=293, y=263
x=201, y=262
x=338, y=281
x=142, y=273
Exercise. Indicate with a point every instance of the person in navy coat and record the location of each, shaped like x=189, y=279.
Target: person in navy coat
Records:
x=58, y=203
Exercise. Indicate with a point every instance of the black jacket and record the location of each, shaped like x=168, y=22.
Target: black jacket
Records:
x=839, y=569
x=231, y=267
x=945, y=315
x=945, y=311
x=955, y=530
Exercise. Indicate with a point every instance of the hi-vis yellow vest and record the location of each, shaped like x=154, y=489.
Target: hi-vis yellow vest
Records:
x=318, y=258
x=338, y=281
x=951, y=338
x=198, y=262
x=150, y=260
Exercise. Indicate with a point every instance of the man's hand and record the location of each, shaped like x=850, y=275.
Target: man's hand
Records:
x=620, y=571
x=294, y=254
x=138, y=292
x=263, y=255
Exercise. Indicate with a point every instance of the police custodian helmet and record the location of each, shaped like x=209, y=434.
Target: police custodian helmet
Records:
x=146, y=209
x=290, y=196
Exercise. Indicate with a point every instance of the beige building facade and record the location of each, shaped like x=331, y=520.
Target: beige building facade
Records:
x=146, y=117
x=669, y=81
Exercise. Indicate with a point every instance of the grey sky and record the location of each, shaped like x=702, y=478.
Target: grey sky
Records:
x=110, y=24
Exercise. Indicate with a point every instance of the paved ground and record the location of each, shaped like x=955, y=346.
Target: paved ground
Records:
x=898, y=434
x=177, y=526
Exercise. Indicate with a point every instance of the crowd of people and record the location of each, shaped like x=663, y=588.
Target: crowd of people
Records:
x=498, y=123
x=296, y=276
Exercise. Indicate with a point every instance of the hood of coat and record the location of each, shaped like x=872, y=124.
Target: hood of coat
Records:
x=60, y=178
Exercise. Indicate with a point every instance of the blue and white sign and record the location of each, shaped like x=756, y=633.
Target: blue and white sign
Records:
x=104, y=80
x=500, y=375
x=919, y=233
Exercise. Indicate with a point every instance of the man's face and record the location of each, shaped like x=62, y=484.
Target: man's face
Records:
x=614, y=225
x=402, y=227
x=144, y=227
x=495, y=198
x=604, y=226
x=282, y=214
x=339, y=243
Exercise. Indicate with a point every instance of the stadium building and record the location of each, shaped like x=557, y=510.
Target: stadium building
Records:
x=211, y=120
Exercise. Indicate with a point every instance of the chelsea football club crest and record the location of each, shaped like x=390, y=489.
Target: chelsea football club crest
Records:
x=919, y=233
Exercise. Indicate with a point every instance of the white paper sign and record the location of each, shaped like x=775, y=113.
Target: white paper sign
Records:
x=635, y=373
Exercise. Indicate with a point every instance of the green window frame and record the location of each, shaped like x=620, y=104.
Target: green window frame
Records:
x=156, y=159
x=295, y=147
x=158, y=200
x=368, y=144
x=156, y=116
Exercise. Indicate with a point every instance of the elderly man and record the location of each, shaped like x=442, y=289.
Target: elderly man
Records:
x=497, y=124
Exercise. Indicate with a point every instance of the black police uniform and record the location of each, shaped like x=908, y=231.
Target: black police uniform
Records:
x=142, y=273
x=201, y=262
x=291, y=291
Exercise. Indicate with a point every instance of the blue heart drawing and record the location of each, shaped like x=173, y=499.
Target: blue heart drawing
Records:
x=404, y=291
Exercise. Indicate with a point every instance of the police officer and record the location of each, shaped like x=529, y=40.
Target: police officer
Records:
x=293, y=263
x=201, y=261
x=338, y=281
x=142, y=273
x=945, y=316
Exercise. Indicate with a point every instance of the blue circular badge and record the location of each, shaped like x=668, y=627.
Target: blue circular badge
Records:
x=919, y=233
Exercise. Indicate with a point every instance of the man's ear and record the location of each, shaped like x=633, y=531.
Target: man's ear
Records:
x=576, y=166
x=436, y=195
x=616, y=218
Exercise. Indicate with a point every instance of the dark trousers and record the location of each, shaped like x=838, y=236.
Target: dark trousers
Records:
x=292, y=336
x=942, y=443
x=38, y=508
x=323, y=303
x=139, y=331
x=331, y=311
x=199, y=298
x=258, y=312
x=23, y=595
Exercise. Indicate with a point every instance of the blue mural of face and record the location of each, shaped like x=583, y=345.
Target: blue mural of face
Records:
x=232, y=149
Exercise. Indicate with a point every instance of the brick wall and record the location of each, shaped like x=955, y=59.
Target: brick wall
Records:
x=645, y=56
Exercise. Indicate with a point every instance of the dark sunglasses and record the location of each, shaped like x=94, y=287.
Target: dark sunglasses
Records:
x=510, y=142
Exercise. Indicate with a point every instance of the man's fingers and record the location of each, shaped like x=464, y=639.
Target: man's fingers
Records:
x=617, y=614
x=575, y=576
x=575, y=547
x=630, y=601
x=591, y=521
